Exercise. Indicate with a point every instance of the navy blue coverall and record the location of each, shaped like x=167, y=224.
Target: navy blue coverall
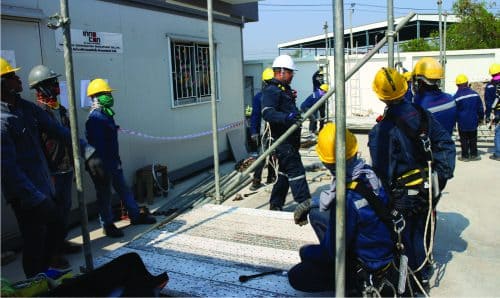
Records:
x=441, y=105
x=368, y=240
x=26, y=181
x=470, y=112
x=102, y=133
x=393, y=154
x=277, y=104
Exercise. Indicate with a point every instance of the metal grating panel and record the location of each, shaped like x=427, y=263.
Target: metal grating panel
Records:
x=205, y=251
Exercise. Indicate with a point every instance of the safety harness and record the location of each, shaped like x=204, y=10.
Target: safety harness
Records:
x=395, y=222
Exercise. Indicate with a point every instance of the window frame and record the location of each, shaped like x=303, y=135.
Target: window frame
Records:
x=198, y=41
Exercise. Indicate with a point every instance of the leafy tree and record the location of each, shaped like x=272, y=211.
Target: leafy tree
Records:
x=477, y=29
x=418, y=44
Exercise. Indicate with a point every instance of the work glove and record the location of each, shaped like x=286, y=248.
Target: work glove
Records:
x=95, y=167
x=294, y=117
x=301, y=212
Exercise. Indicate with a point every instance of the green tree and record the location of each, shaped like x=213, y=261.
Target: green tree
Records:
x=418, y=44
x=478, y=28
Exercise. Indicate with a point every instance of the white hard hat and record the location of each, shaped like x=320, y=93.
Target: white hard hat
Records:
x=284, y=61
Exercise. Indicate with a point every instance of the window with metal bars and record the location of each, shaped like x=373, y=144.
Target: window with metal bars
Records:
x=190, y=72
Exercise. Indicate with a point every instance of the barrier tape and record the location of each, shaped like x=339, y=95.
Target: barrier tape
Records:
x=185, y=137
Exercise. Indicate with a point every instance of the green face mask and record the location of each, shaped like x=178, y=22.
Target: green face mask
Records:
x=106, y=100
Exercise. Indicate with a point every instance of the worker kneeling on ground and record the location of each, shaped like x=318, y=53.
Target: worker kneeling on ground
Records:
x=369, y=245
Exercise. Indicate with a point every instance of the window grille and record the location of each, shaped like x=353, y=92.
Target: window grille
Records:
x=190, y=72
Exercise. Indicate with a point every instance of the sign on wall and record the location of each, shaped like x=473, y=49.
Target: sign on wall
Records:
x=92, y=41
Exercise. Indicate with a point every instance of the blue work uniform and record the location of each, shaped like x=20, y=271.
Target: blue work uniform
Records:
x=102, y=133
x=489, y=97
x=495, y=107
x=369, y=241
x=321, y=112
x=441, y=105
x=409, y=94
x=255, y=128
x=394, y=154
x=26, y=180
x=277, y=104
x=60, y=161
x=470, y=112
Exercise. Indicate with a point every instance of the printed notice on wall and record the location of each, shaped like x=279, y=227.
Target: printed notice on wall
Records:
x=92, y=41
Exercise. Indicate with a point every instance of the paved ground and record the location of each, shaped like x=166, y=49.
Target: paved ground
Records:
x=466, y=249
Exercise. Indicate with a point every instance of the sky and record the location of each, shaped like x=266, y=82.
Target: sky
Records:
x=287, y=20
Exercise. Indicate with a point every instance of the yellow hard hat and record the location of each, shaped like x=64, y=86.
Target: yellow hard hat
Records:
x=326, y=144
x=407, y=75
x=267, y=74
x=461, y=79
x=389, y=84
x=494, y=69
x=428, y=68
x=97, y=86
x=324, y=87
x=6, y=68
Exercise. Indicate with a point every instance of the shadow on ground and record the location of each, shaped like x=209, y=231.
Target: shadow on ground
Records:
x=449, y=228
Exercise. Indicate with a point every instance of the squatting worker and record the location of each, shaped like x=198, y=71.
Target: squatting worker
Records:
x=280, y=110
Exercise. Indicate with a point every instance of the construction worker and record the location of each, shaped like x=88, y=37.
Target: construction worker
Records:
x=369, y=245
x=257, y=134
x=279, y=109
x=492, y=100
x=102, y=133
x=402, y=146
x=26, y=182
x=427, y=75
x=59, y=155
x=318, y=79
x=470, y=112
x=409, y=94
x=309, y=102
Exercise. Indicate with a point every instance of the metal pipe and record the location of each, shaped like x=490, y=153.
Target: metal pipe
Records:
x=68, y=62
x=325, y=97
x=444, y=52
x=214, y=103
x=351, y=39
x=325, y=28
x=439, y=3
x=340, y=121
x=390, y=33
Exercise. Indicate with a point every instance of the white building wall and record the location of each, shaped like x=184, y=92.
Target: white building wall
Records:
x=141, y=75
x=473, y=63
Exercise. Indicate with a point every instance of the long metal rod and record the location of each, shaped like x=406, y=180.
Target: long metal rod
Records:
x=214, y=103
x=440, y=26
x=313, y=109
x=444, y=52
x=68, y=62
x=390, y=33
x=340, y=168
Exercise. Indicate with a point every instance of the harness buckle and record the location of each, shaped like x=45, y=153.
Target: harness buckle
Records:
x=398, y=221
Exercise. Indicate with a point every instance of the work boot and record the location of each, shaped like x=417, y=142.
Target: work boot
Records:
x=59, y=262
x=255, y=185
x=475, y=157
x=461, y=158
x=143, y=219
x=112, y=231
x=275, y=208
x=494, y=157
x=71, y=248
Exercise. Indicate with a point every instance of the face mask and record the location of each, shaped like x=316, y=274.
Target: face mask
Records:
x=106, y=101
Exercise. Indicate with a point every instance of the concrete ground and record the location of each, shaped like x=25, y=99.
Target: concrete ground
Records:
x=466, y=246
